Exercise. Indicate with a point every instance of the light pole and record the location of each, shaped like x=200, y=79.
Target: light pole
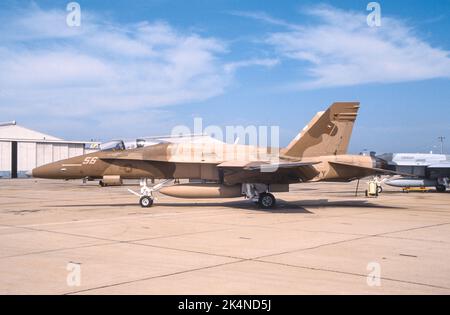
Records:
x=441, y=140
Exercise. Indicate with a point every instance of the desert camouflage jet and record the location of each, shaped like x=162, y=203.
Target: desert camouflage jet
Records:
x=318, y=153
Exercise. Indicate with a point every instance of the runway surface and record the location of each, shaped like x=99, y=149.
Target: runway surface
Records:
x=71, y=238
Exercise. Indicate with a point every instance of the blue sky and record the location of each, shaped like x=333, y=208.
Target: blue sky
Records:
x=138, y=68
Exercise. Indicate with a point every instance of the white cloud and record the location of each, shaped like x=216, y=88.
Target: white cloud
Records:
x=265, y=62
x=262, y=16
x=48, y=67
x=342, y=50
x=105, y=69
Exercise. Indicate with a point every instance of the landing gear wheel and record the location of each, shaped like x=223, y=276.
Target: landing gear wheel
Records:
x=379, y=189
x=146, y=202
x=101, y=183
x=441, y=188
x=266, y=201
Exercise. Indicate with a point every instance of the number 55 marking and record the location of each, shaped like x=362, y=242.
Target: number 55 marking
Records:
x=90, y=160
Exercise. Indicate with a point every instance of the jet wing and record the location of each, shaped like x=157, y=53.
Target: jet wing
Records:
x=263, y=166
x=267, y=172
x=441, y=169
x=368, y=171
x=440, y=166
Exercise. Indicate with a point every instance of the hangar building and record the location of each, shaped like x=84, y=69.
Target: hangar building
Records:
x=22, y=149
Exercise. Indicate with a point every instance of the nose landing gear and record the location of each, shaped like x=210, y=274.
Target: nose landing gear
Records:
x=146, y=197
x=146, y=201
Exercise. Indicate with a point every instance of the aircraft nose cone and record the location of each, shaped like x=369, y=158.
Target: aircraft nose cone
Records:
x=36, y=172
x=45, y=171
x=55, y=170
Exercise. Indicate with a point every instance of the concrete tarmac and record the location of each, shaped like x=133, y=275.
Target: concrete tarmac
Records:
x=61, y=237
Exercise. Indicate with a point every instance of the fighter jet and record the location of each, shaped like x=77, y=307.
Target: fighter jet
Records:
x=222, y=170
x=427, y=170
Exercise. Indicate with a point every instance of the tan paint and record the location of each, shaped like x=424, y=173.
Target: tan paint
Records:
x=328, y=133
x=323, y=142
x=202, y=191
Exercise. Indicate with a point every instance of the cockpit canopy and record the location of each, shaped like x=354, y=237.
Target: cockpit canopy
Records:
x=120, y=145
x=115, y=145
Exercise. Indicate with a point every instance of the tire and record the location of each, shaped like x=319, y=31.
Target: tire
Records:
x=146, y=202
x=441, y=188
x=266, y=201
x=379, y=189
x=101, y=183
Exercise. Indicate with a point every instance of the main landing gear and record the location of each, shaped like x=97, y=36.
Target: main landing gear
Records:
x=146, y=197
x=442, y=184
x=259, y=193
x=266, y=201
x=441, y=188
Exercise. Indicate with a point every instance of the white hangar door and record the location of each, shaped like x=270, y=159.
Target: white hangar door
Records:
x=5, y=159
x=60, y=151
x=44, y=153
x=76, y=150
x=26, y=157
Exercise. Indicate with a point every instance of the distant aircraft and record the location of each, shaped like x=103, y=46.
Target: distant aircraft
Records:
x=318, y=153
x=427, y=170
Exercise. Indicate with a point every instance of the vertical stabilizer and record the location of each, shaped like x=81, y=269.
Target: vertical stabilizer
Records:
x=328, y=133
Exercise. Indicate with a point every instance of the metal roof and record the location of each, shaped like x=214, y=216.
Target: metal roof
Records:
x=10, y=131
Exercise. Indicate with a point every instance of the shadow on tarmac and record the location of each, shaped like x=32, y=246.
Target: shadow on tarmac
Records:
x=282, y=206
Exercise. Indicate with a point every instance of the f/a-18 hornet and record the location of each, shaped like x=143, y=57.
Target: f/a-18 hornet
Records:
x=318, y=153
x=426, y=170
